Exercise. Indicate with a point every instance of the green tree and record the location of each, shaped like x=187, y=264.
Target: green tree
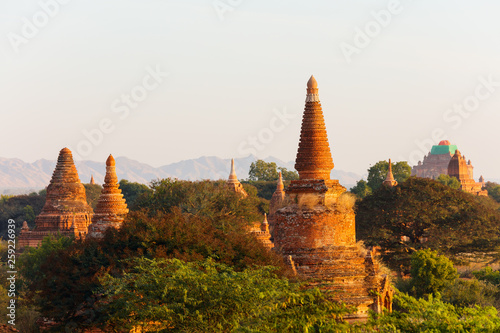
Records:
x=206, y=296
x=288, y=175
x=488, y=274
x=449, y=181
x=470, y=293
x=93, y=192
x=431, y=273
x=493, y=190
x=433, y=315
x=134, y=193
x=361, y=189
x=32, y=258
x=20, y=208
x=422, y=213
x=378, y=173
x=180, y=219
x=263, y=171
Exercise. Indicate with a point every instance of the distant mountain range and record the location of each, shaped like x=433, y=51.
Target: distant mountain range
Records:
x=18, y=177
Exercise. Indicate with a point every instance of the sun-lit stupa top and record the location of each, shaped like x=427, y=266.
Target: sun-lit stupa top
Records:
x=232, y=175
x=389, y=180
x=314, y=159
x=312, y=90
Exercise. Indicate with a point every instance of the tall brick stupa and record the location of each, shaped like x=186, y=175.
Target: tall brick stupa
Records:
x=66, y=210
x=315, y=231
x=111, y=207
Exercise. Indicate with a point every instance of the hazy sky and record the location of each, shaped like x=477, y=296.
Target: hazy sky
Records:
x=160, y=81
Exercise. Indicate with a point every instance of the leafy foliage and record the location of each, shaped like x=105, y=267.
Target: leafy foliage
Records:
x=378, y=172
x=263, y=171
x=471, y=293
x=493, y=190
x=204, y=198
x=92, y=192
x=31, y=260
x=431, y=273
x=489, y=275
x=422, y=213
x=20, y=208
x=210, y=297
x=434, y=315
x=361, y=189
x=449, y=181
x=185, y=220
x=134, y=193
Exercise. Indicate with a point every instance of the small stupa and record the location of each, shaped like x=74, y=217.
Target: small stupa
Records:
x=276, y=202
x=389, y=180
x=233, y=183
x=111, y=207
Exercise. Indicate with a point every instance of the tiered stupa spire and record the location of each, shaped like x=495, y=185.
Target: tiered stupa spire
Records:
x=233, y=183
x=276, y=202
x=111, y=207
x=65, y=205
x=232, y=175
x=264, y=226
x=389, y=180
x=314, y=159
x=315, y=231
x=92, y=181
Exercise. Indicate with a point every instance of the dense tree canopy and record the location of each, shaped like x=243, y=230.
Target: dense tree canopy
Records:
x=189, y=221
x=449, y=181
x=378, y=172
x=422, y=213
x=431, y=273
x=205, y=296
x=133, y=193
x=493, y=190
x=361, y=189
x=20, y=208
x=267, y=171
x=92, y=192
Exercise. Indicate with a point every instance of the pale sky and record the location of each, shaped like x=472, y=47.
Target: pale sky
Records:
x=237, y=73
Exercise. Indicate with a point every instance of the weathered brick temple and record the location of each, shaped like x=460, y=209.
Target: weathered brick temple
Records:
x=66, y=210
x=461, y=170
x=317, y=232
x=445, y=159
x=111, y=207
